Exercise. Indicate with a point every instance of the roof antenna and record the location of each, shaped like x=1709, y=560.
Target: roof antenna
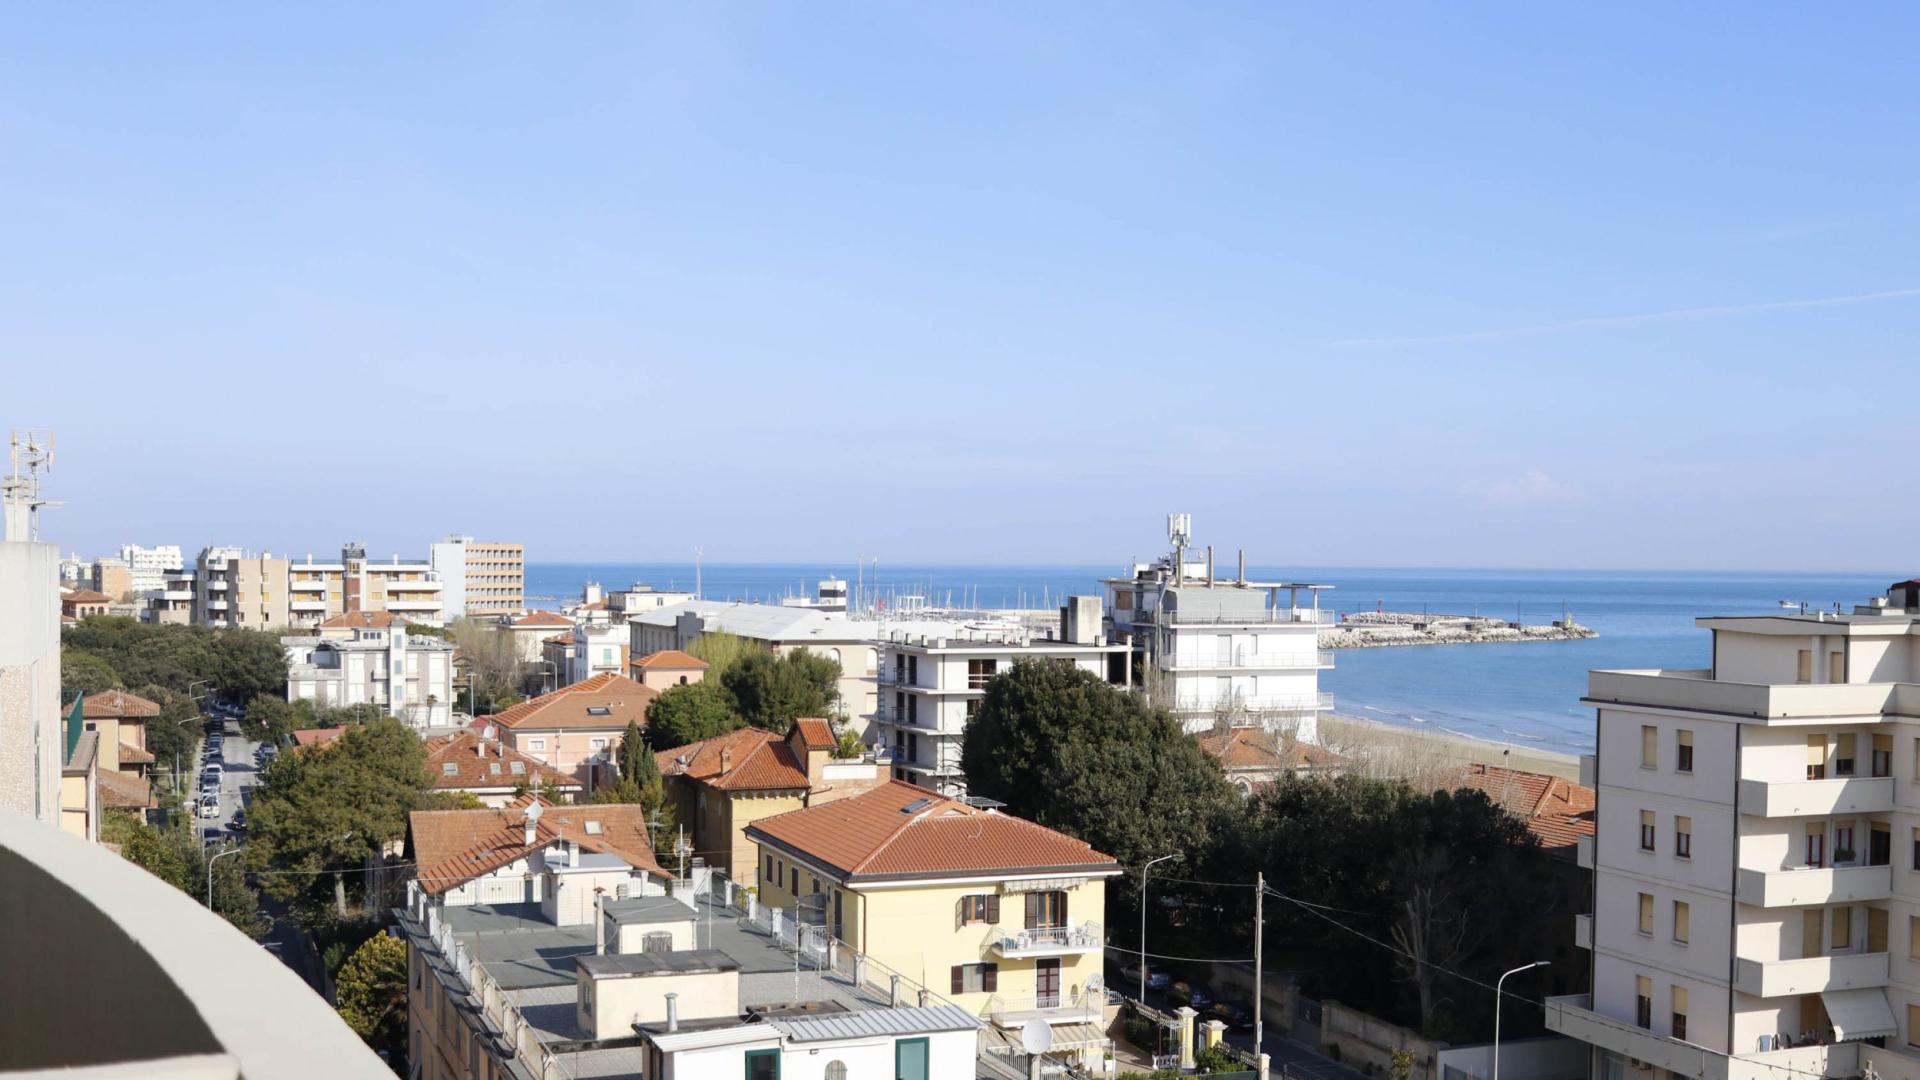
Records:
x=20, y=492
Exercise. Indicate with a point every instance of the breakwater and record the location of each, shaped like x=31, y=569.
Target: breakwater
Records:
x=1380, y=629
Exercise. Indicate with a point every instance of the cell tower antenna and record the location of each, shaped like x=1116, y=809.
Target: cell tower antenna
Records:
x=30, y=453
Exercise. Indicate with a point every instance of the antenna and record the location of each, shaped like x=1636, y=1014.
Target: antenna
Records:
x=31, y=452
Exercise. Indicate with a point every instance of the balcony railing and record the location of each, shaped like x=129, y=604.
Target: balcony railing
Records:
x=1263, y=617
x=1087, y=1007
x=1049, y=940
x=1813, y=975
x=1583, y=931
x=1289, y=703
x=1247, y=658
x=1689, y=688
x=1805, y=886
x=1817, y=798
x=1573, y=1016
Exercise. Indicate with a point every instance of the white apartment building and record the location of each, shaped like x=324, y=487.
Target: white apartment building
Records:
x=845, y=641
x=1757, y=856
x=320, y=590
x=595, y=650
x=370, y=659
x=934, y=674
x=172, y=602
x=479, y=579
x=150, y=565
x=1224, y=650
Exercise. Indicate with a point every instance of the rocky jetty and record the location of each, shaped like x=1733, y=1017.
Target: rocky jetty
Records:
x=1379, y=629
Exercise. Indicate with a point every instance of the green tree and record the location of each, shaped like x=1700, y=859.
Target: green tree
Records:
x=720, y=650
x=321, y=813
x=1063, y=748
x=239, y=663
x=492, y=658
x=268, y=718
x=372, y=993
x=684, y=714
x=174, y=856
x=81, y=672
x=343, y=715
x=172, y=734
x=636, y=757
x=771, y=692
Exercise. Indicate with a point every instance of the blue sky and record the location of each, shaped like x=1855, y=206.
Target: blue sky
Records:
x=1484, y=285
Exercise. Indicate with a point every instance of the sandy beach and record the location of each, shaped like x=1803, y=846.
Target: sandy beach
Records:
x=1392, y=749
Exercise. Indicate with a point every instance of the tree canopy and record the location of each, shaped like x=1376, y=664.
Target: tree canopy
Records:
x=1062, y=747
x=240, y=663
x=684, y=714
x=772, y=691
x=174, y=856
x=371, y=990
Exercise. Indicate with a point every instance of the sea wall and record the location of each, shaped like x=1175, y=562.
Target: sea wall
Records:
x=1379, y=629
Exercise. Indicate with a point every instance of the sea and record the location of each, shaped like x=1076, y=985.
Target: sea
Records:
x=1524, y=693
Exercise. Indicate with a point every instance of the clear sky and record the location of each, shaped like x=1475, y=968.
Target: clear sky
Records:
x=1487, y=285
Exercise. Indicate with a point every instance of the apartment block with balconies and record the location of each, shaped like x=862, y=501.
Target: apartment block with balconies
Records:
x=933, y=674
x=1757, y=854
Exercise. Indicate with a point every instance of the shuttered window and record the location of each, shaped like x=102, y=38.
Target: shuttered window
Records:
x=1649, y=746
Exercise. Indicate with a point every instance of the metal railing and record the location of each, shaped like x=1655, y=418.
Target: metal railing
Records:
x=1262, y=617
x=1247, y=658
x=1086, y=935
x=1281, y=704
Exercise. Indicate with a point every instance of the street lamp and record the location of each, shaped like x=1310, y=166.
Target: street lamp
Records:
x=210, y=863
x=1143, y=920
x=1497, y=995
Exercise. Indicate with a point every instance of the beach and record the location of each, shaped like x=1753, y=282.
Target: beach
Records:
x=1391, y=749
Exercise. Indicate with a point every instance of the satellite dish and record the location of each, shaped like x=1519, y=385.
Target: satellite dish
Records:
x=534, y=810
x=1036, y=1037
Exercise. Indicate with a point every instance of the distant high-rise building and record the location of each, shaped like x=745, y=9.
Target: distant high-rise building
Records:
x=111, y=577
x=237, y=589
x=149, y=566
x=480, y=580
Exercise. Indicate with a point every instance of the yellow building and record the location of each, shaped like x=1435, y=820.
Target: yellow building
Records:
x=722, y=785
x=998, y=913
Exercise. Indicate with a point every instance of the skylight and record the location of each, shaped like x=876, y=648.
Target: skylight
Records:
x=518, y=766
x=916, y=806
x=599, y=710
x=450, y=769
x=593, y=828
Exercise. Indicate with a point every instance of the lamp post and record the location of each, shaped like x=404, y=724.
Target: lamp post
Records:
x=1498, y=994
x=1143, y=920
x=210, y=862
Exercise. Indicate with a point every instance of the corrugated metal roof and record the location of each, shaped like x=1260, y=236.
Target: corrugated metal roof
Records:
x=870, y=1022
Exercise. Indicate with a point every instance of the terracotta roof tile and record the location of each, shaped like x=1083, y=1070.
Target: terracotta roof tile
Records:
x=899, y=830
x=452, y=847
x=85, y=596
x=130, y=753
x=363, y=620
x=754, y=760
x=117, y=704
x=541, y=618
x=670, y=660
x=492, y=768
x=1557, y=811
x=1257, y=748
x=124, y=790
x=320, y=736
x=607, y=700
x=816, y=732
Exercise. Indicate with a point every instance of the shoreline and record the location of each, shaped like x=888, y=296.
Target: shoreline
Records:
x=1362, y=737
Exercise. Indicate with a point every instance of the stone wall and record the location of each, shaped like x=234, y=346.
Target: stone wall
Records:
x=1368, y=1040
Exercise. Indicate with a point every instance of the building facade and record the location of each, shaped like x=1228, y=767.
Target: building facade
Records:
x=149, y=566
x=370, y=659
x=479, y=580
x=847, y=642
x=113, y=577
x=575, y=729
x=1756, y=908
x=933, y=676
x=233, y=588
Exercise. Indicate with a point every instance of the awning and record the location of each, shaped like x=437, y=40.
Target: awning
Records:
x=1859, y=1014
x=1078, y=1036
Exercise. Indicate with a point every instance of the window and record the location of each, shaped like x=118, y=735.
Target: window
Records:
x=1883, y=755
x=1843, y=755
x=1682, y=837
x=518, y=768
x=1643, y=1001
x=769, y=866
x=1804, y=673
x=657, y=941
x=1836, y=667
x=974, y=978
x=1913, y=1025
x=1683, y=756
x=1646, y=830
x=448, y=768
x=910, y=1059
x=1812, y=929
x=1682, y=922
x=1842, y=927
x=1843, y=843
x=597, y=744
x=979, y=908
x=1046, y=910
x=1649, y=746
x=763, y=1065
x=536, y=744
x=1816, y=844
x=1646, y=914
x=980, y=673
x=1913, y=937
x=1816, y=757
x=1679, y=1012
x=836, y=1070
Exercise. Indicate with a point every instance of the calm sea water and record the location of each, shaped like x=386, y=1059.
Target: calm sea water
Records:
x=1525, y=693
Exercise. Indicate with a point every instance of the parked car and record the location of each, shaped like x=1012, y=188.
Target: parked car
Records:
x=1156, y=978
x=1186, y=993
x=1233, y=1016
x=209, y=806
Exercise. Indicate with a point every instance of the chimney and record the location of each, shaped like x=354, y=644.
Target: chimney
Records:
x=1243, y=567
x=1209, y=566
x=599, y=922
x=479, y=749
x=673, y=1011
x=532, y=826
x=726, y=760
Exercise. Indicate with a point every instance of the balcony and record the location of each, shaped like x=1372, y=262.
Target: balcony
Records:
x=1583, y=931
x=1249, y=660
x=1089, y=1007
x=1817, y=798
x=1263, y=617
x=1813, y=975
x=307, y=605
x=1589, y=771
x=413, y=603
x=1692, y=689
x=1801, y=887
x=216, y=585
x=1573, y=1016
x=1067, y=940
x=1287, y=703
x=216, y=605
x=316, y=585
x=1583, y=852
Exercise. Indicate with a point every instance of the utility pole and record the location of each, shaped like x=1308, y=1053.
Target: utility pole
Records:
x=1259, y=940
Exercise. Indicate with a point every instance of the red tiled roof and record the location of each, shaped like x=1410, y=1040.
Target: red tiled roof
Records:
x=1556, y=810
x=902, y=831
x=452, y=847
x=670, y=660
x=621, y=698
x=131, y=754
x=558, y=639
x=486, y=763
x=363, y=620
x=123, y=790
x=319, y=736
x=748, y=759
x=541, y=618
x=815, y=732
x=85, y=596
x=117, y=705
x=1257, y=748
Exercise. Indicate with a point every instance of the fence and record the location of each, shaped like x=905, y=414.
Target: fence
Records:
x=1369, y=1040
